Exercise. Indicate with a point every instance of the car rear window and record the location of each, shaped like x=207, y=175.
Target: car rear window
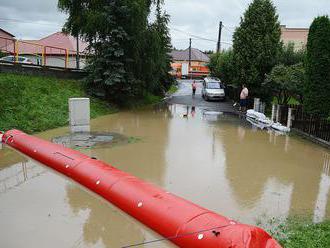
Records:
x=213, y=85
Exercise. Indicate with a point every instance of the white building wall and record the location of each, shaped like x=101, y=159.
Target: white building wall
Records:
x=58, y=61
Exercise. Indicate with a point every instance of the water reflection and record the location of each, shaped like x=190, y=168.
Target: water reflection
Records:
x=15, y=170
x=104, y=223
x=323, y=195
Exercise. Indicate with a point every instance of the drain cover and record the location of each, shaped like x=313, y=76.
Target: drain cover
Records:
x=91, y=140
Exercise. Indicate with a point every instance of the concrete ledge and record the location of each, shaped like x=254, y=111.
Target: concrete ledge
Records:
x=312, y=138
x=36, y=70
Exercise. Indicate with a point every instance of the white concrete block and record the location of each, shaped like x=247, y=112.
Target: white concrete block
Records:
x=79, y=113
x=256, y=106
x=289, y=122
x=273, y=112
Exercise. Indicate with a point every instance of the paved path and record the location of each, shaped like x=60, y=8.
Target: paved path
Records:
x=184, y=96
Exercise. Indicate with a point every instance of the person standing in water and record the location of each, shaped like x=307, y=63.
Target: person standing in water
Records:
x=243, y=98
x=194, y=87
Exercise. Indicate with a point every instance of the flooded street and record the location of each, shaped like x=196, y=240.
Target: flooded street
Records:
x=212, y=159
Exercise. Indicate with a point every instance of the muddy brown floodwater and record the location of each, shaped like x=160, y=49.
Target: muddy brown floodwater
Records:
x=217, y=161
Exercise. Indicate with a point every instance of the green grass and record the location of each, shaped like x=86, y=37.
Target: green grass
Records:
x=34, y=104
x=173, y=89
x=298, y=233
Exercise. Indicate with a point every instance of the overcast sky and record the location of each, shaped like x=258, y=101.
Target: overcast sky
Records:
x=34, y=19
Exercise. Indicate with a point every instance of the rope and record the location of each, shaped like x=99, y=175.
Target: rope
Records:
x=10, y=136
x=178, y=236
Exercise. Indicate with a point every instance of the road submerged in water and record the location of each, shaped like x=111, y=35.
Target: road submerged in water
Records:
x=216, y=160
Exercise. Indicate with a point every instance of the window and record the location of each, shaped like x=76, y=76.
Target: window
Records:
x=8, y=58
x=213, y=85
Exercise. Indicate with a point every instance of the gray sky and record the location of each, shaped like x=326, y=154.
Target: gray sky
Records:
x=34, y=19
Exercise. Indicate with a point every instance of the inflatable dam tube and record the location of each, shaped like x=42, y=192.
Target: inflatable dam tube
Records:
x=184, y=223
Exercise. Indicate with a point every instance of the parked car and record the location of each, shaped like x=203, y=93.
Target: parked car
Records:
x=213, y=89
x=21, y=60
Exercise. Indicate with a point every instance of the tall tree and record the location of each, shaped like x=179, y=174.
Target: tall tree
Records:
x=290, y=56
x=221, y=66
x=318, y=67
x=256, y=45
x=158, y=47
x=116, y=32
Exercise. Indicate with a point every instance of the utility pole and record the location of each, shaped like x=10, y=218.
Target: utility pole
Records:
x=189, y=68
x=219, y=38
x=77, y=55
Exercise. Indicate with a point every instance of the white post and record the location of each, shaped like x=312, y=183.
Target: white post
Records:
x=278, y=109
x=289, y=123
x=256, y=105
x=262, y=107
x=79, y=112
x=273, y=112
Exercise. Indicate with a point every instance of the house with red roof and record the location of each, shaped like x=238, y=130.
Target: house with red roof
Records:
x=58, y=49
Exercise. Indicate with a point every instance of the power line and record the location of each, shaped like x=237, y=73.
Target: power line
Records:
x=198, y=37
x=227, y=29
x=192, y=35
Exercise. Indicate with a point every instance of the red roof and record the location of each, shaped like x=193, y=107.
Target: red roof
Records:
x=6, y=32
x=62, y=40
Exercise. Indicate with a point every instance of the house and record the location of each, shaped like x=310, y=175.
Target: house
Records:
x=58, y=49
x=297, y=36
x=198, y=63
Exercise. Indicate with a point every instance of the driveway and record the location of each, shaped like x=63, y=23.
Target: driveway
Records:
x=184, y=97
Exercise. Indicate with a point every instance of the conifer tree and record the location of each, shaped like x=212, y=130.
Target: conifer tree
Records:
x=318, y=67
x=256, y=45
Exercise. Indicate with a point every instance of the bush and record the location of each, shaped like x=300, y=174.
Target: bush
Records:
x=286, y=83
x=289, y=56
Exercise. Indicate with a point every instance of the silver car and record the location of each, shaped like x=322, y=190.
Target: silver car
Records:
x=20, y=59
x=213, y=89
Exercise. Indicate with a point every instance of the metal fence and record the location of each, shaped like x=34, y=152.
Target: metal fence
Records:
x=312, y=125
x=284, y=111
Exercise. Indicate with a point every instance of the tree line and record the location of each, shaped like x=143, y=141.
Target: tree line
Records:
x=273, y=70
x=129, y=54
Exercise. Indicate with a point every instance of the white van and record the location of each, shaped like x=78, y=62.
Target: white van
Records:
x=213, y=89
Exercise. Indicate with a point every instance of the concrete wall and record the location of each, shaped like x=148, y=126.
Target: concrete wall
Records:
x=297, y=36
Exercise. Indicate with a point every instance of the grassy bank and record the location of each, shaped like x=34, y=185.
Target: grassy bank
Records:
x=35, y=104
x=173, y=89
x=299, y=233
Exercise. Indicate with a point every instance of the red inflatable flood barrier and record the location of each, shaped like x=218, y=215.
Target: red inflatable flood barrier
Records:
x=182, y=222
